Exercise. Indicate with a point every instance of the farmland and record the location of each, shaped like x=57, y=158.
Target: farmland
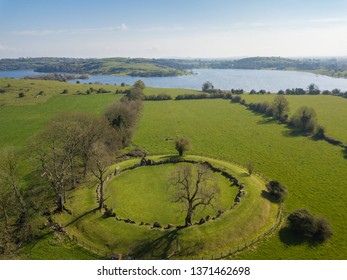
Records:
x=312, y=170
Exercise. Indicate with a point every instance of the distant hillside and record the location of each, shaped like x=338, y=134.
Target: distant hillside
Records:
x=140, y=67
x=143, y=67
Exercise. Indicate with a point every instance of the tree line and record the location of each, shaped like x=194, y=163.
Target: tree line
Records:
x=72, y=146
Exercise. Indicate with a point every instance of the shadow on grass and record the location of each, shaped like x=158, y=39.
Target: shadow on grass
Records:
x=292, y=132
x=81, y=216
x=267, y=120
x=344, y=153
x=161, y=248
x=269, y=197
x=292, y=238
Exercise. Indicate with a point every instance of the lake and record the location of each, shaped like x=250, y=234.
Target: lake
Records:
x=270, y=80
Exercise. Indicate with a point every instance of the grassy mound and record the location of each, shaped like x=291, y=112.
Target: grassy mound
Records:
x=144, y=194
x=250, y=218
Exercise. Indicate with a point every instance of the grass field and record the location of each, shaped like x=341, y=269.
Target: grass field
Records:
x=331, y=110
x=313, y=171
x=145, y=195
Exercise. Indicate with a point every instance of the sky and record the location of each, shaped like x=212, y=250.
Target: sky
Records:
x=172, y=28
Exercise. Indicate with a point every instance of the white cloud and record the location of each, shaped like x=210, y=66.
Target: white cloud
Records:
x=123, y=26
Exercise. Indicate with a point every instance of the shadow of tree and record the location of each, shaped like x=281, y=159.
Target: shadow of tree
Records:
x=81, y=216
x=161, y=248
x=292, y=132
x=290, y=238
x=293, y=238
x=344, y=153
x=267, y=120
x=269, y=197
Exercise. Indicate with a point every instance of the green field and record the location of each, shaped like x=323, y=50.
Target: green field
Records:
x=312, y=170
x=145, y=195
x=331, y=110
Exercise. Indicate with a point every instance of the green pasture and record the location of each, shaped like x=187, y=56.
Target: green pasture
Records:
x=313, y=171
x=145, y=194
x=331, y=110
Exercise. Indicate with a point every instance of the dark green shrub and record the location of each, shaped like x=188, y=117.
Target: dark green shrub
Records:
x=277, y=190
x=308, y=225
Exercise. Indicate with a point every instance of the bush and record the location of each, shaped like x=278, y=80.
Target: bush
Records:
x=109, y=212
x=323, y=229
x=308, y=225
x=305, y=119
x=182, y=145
x=159, y=97
x=277, y=190
x=302, y=222
x=319, y=132
x=21, y=95
x=250, y=168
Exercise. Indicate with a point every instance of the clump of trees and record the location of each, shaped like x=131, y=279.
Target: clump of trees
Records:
x=18, y=202
x=305, y=119
x=182, y=145
x=193, y=188
x=277, y=190
x=207, y=86
x=64, y=150
x=123, y=115
x=310, y=226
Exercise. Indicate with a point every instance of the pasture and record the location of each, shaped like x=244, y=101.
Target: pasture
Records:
x=313, y=171
x=331, y=110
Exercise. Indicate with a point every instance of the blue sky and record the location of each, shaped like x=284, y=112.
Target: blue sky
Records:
x=153, y=28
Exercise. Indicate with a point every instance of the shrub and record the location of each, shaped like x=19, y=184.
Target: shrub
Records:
x=236, y=99
x=109, y=212
x=65, y=91
x=305, y=119
x=319, y=132
x=207, y=86
x=182, y=145
x=21, y=94
x=323, y=229
x=250, y=168
x=302, y=222
x=308, y=225
x=277, y=190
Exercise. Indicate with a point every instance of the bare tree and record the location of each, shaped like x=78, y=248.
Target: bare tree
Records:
x=100, y=161
x=54, y=164
x=10, y=177
x=193, y=188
